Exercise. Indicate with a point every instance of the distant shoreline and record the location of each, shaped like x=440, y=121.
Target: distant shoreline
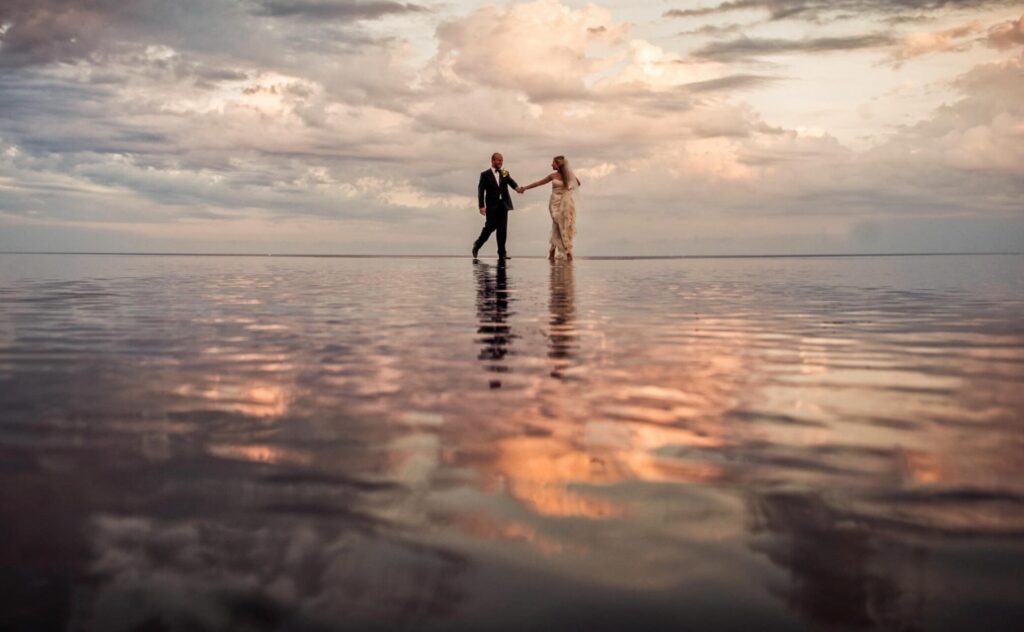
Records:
x=591, y=258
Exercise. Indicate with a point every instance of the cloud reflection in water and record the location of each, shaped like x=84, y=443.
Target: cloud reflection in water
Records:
x=275, y=444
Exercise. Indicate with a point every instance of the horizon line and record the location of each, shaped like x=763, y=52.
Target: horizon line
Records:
x=453, y=256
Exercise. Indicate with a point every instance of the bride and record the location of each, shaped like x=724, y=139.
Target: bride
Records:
x=562, y=206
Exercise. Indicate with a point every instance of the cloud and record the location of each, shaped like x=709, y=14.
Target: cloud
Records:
x=1007, y=35
x=52, y=30
x=730, y=83
x=816, y=10
x=906, y=47
x=271, y=126
x=745, y=48
x=924, y=43
x=712, y=30
x=964, y=162
x=985, y=130
x=343, y=10
x=528, y=75
x=39, y=32
x=539, y=48
x=179, y=135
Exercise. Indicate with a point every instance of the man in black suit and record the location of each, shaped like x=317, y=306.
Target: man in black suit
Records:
x=495, y=203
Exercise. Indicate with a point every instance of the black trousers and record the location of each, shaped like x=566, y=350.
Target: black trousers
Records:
x=497, y=220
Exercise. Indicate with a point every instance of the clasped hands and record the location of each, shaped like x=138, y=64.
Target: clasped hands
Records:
x=483, y=209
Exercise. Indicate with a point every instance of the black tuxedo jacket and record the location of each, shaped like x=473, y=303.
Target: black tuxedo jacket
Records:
x=492, y=195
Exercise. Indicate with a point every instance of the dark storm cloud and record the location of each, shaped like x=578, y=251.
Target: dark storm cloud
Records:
x=814, y=10
x=334, y=10
x=751, y=47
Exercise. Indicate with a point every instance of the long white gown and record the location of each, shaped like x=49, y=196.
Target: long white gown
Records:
x=562, y=207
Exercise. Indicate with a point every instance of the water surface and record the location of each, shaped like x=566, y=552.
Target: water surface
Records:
x=319, y=444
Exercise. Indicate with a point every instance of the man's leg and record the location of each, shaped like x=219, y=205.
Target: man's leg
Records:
x=501, y=225
x=488, y=228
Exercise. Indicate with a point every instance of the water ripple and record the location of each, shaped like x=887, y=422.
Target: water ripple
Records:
x=343, y=443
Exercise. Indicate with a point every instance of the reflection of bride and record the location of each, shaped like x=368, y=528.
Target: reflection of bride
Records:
x=562, y=339
x=562, y=206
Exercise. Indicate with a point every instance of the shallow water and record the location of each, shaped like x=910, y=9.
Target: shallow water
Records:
x=317, y=444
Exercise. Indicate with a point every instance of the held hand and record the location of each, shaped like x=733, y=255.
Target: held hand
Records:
x=520, y=189
x=483, y=210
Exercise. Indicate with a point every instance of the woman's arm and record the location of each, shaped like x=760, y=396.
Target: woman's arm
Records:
x=539, y=182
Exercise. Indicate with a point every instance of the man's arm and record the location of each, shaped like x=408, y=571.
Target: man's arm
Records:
x=480, y=194
x=511, y=180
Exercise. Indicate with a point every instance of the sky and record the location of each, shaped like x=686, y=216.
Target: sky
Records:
x=702, y=127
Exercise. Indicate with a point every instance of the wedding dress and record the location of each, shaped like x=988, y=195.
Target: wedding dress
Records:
x=562, y=207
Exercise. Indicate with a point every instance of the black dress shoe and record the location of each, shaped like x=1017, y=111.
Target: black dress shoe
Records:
x=475, y=251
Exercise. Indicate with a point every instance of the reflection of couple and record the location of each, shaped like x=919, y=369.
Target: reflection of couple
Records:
x=495, y=203
x=493, y=300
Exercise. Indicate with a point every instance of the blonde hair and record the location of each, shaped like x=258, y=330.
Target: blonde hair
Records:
x=560, y=161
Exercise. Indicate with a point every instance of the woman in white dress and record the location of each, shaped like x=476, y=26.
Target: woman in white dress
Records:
x=562, y=206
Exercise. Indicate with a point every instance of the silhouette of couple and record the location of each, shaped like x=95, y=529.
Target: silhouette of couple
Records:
x=495, y=202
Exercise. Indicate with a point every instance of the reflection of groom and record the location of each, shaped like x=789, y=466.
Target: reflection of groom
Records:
x=495, y=203
x=492, y=311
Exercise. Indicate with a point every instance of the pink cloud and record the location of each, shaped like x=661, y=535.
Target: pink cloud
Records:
x=925, y=43
x=1007, y=35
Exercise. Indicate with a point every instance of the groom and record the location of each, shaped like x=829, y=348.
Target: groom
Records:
x=495, y=203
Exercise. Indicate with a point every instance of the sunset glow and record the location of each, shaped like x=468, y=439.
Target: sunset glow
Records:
x=769, y=126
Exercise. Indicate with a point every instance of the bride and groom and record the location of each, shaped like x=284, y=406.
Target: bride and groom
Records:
x=495, y=203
